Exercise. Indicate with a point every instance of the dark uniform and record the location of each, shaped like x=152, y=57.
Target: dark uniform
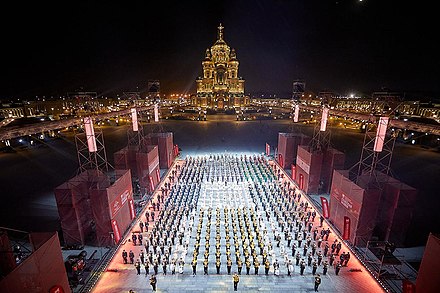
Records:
x=137, y=265
x=236, y=279
x=194, y=265
x=205, y=266
x=239, y=265
x=303, y=267
x=325, y=267
x=228, y=265
x=337, y=268
x=266, y=267
x=153, y=282
x=317, y=282
x=217, y=265
x=131, y=255
x=248, y=267
x=124, y=256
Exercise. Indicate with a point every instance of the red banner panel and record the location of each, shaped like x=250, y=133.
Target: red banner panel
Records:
x=324, y=204
x=116, y=231
x=280, y=160
x=120, y=194
x=301, y=181
x=293, y=171
x=165, y=144
x=267, y=149
x=118, y=202
x=158, y=175
x=151, y=183
x=131, y=206
x=346, y=233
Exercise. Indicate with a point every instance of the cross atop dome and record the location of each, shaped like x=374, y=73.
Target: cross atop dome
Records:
x=220, y=32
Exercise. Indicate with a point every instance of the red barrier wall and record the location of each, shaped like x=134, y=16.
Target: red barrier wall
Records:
x=148, y=163
x=357, y=203
x=332, y=160
x=342, y=206
x=126, y=159
x=120, y=200
x=288, y=144
x=90, y=200
x=41, y=271
x=165, y=143
x=398, y=200
x=74, y=211
x=309, y=166
x=427, y=277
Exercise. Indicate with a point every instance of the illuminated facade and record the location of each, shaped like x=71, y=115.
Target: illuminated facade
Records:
x=220, y=87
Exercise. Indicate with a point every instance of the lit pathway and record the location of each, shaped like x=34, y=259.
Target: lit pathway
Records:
x=121, y=277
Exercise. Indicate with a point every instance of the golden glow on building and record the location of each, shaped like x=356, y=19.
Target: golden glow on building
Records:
x=220, y=87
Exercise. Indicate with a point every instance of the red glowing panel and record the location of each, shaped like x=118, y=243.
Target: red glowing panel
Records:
x=134, y=119
x=151, y=183
x=293, y=171
x=158, y=175
x=267, y=149
x=280, y=160
x=301, y=181
x=324, y=119
x=380, y=134
x=116, y=232
x=324, y=203
x=90, y=134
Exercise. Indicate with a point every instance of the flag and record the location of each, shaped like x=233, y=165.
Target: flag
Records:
x=280, y=160
x=151, y=183
x=116, y=233
x=324, y=203
x=131, y=206
x=158, y=175
x=346, y=234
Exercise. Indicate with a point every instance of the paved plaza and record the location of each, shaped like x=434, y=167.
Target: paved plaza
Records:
x=233, y=208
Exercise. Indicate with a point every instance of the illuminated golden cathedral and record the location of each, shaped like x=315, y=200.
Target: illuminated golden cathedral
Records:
x=220, y=87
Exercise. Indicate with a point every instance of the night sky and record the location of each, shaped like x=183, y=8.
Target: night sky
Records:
x=343, y=46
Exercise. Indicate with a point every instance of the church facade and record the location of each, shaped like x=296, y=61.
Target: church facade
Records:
x=220, y=87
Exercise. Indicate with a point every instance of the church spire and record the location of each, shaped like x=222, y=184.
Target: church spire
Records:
x=220, y=32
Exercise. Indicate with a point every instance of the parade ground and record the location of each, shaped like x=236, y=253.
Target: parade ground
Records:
x=202, y=199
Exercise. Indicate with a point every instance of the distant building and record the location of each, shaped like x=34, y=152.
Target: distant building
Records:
x=220, y=87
